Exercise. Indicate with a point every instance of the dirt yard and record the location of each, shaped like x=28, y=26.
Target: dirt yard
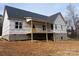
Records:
x=39, y=48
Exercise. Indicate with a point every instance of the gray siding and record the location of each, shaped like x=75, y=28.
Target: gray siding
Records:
x=17, y=37
x=13, y=37
x=60, y=36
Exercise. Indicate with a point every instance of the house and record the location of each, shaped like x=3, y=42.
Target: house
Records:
x=22, y=25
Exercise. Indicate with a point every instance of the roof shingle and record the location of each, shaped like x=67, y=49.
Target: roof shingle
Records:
x=53, y=17
x=18, y=13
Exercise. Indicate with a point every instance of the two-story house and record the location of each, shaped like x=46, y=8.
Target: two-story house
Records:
x=23, y=25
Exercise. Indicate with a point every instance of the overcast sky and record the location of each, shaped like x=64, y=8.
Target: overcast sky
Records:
x=41, y=8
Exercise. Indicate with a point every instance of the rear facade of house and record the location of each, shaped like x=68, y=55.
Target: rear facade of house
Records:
x=23, y=25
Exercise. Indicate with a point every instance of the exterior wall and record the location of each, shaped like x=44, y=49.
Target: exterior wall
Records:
x=59, y=36
x=18, y=34
x=11, y=33
x=12, y=37
x=18, y=37
x=6, y=23
x=26, y=28
x=60, y=32
x=59, y=21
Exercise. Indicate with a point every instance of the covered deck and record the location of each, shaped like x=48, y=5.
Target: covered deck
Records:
x=45, y=35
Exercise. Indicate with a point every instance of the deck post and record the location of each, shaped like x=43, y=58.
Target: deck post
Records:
x=46, y=33
x=31, y=31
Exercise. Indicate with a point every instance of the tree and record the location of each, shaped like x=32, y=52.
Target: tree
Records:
x=72, y=15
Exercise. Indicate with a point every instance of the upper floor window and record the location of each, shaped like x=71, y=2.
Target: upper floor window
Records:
x=18, y=25
x=51, y=26
x=55, y=26
x=44, y=27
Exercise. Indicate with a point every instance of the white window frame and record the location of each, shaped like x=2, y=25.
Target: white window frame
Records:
x=18, y=25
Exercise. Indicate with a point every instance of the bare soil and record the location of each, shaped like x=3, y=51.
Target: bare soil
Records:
x=39, y=48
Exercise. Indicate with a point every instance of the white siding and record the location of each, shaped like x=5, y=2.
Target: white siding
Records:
x=6, y=23
x=9, y=26
x=59, y=21
x=26, y=28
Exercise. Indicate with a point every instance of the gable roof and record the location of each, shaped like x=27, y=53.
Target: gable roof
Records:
x=18, y=13
x=52, y=18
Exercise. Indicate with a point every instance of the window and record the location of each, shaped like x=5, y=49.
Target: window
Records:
x=44, y=27
x=55, y=26
x=18, y=25
x=51, y=26
x=33, y=26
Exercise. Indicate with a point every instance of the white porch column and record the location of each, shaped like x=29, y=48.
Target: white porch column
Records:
x=46, y=33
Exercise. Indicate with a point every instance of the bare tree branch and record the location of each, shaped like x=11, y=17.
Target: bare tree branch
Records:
x=71, y=14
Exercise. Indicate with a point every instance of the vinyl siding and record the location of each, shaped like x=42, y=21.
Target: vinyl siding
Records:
x=59, y=22
x=26, y=28
x=6, y=23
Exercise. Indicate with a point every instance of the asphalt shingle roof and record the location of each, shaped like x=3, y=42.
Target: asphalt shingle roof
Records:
x=52, y=18
x=18, y=13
